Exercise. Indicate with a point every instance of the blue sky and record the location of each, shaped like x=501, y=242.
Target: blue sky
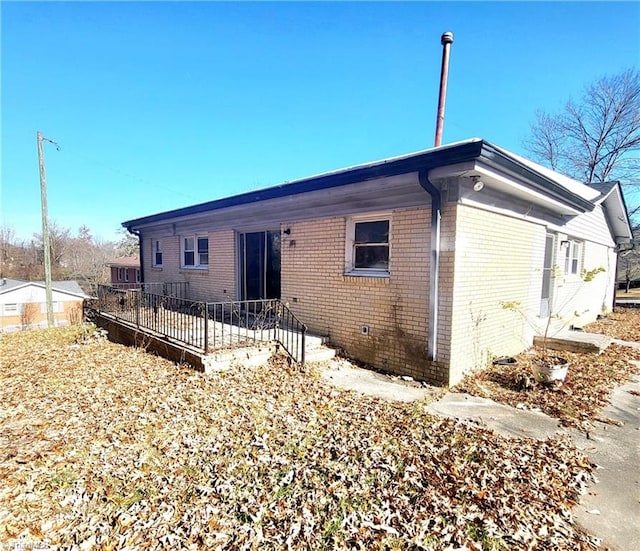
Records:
x=159, y=105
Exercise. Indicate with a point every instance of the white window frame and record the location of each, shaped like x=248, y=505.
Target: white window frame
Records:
x=56, y=307
x=573, y=257
x=156, y=250
x=11, y=309
x=137, y=275
x=200, y=259
x=351, y=246
x=121, y=274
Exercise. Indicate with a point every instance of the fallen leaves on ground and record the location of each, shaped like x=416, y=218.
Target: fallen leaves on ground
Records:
x=623, y=324
x=107, y=447
x=578, y=402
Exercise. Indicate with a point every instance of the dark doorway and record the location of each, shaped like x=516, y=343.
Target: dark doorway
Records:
x=259, y=254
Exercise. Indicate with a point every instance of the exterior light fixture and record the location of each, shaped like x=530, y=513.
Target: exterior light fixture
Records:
x=478, y=184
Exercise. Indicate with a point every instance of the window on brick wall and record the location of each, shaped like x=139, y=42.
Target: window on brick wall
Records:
x=157, y=252
x=195, y=252
x=573, y=257
x=367, y=247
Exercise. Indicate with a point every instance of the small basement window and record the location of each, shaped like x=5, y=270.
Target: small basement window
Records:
x=367, y=248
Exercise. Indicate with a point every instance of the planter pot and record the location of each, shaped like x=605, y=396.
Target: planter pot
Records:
x=550, y=370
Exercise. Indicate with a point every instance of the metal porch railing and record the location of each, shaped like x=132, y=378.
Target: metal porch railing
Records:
x=206, y=326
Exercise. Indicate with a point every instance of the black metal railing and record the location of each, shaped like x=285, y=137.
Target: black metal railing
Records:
x=179, y=289
x=291, y=334
x=205, y=326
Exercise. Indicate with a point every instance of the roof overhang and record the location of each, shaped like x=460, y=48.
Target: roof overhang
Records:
x=498, y=180
x=616, y=212
x=497, y=167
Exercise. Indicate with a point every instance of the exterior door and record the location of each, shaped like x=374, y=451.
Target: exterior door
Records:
x=547, y=276
x=259, y=254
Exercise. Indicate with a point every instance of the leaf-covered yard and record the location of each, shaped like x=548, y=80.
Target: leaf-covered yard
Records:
x=107, y=447
x=622, y=324
x=590, y=380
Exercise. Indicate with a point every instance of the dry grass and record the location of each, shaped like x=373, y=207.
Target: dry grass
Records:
x=107, y=447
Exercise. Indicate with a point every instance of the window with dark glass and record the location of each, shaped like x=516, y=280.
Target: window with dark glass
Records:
x=195, y=252
x=157, y=253
x=188, y=252
x=203, y=251
x=371, y=245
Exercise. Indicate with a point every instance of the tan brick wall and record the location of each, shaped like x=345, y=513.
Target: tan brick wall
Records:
x=217, y=283
x=497, y=258
x=394, y=308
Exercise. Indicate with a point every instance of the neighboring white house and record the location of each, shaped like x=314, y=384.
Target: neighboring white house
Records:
x=23, y=303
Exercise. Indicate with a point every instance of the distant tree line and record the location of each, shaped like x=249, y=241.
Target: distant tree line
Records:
x=80, y=256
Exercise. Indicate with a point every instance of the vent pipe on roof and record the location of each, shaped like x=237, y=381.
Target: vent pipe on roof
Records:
x=446, y=40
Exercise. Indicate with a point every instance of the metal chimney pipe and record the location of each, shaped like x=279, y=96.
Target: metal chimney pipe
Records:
x=446, y=40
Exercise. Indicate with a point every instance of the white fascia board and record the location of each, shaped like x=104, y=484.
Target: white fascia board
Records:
x=574, y=186
x=616, y=212
x=25, y=284
x=502, y=182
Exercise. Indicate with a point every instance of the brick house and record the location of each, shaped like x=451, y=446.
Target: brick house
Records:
x=406, y=263
x=125, y=269
x=23, y=303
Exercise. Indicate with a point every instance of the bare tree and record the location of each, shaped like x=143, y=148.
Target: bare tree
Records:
x=86, y=258
x=128, y=244
x=595, y=139
x=28, y=314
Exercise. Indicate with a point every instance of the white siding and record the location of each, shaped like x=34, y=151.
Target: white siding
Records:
x=32, y=293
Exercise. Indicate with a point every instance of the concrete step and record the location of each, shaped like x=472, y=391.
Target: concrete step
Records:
x=575, y=341
x=314, y=341
x=319, y=354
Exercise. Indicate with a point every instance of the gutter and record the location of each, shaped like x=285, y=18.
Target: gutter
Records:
x=434, y=263
x=138, y=234
x=445, y=155
x=539, y=182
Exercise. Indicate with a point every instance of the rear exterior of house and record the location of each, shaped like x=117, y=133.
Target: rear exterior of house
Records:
x=406, y=264
x=23, y=304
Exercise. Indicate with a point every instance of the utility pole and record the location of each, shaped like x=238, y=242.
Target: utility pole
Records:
x=45, y=232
